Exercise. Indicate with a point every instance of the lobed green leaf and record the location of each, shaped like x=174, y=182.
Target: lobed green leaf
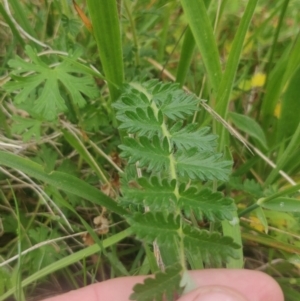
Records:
x=164, y=284
x=130, y=100
x=142, y=122
x=45, y=83
x=190, y=136
x=202, y=165
x=155, y=226
x=158, y=196
x=26, y=127
x=176, y=105
x=212, y=204
x=153, y=155
x=212, y=246
x=168, y=97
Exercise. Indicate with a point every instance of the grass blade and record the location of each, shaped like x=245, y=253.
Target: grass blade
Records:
x=78, y=145
x=285, y=156
x=66, y=261
x=21, y=14
x=106, y=29
x=186, y=55
x=276, y=35
x=224, y=92
x=278, y=79
x=61, y=181
x=201, y=28
x=12, y=26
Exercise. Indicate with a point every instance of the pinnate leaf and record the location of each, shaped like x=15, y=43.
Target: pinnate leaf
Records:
x=166, y=147
x=168, y=97
x=173, y=101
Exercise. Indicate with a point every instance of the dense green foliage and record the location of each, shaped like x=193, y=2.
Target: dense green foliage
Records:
x=97, y=141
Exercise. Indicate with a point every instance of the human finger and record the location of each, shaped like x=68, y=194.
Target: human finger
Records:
x=213, y=293
x=253, y=285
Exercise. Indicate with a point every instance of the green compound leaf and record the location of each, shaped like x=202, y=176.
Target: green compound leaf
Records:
x=202, y=165
x=163, y=287
x=155, y=226
x=190, y=137
x=168, y=97
x=158, y=196
x=212, y=246
x=151, y=154
x=165, y=230
x=171, y=152
x=46, y=83
x=212, y=204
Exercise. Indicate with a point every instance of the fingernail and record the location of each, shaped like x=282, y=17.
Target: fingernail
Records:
x=213, y=293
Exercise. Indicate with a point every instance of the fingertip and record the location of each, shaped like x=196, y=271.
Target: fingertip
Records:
x=268, y=287
x=213, y=293
x=255, y=285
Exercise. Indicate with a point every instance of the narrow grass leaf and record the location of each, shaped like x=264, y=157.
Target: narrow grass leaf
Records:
x=224, y=92
x=68, y=260
x=284, y=158
x=283, y=204
x=273, y=243
x=290, y=109
x=200, y=25
x=106, y=29
x=283, y=71
x=12, y=26
x=186, y=55
x=84, y=153
x=61, y=181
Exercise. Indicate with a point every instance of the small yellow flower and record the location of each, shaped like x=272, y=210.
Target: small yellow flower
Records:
x=256, y=224
x=258, y=80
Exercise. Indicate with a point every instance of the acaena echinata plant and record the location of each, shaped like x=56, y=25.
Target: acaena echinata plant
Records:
x=166, y=187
